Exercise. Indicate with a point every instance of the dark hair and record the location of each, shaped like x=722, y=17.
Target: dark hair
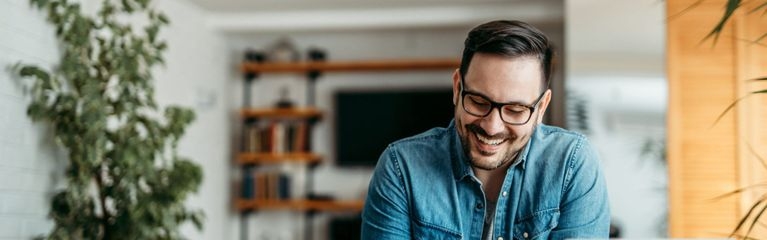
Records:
x=511, y=39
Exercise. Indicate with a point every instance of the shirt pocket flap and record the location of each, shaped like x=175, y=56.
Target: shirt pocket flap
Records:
x=536, y=225
x=422, y=230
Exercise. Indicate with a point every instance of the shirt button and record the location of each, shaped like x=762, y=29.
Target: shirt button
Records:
x=500, y=238
x=524, y=234
x=480, y=206
x=505, y=193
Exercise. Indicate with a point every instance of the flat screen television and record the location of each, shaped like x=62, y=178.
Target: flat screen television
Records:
x=366, y=121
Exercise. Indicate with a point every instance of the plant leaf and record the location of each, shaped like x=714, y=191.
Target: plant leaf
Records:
x=763, y=91
x=759, y=79
x=751, y=149
x=745, y=217
x=739, y=190
x=728, y=109
x=32, y=71
x=755, y=220
x=731, y=6
x=688, y=8
x=764, y=4
x=757, y=40
x=744, y=237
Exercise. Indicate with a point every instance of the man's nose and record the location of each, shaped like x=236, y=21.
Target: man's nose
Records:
x=492, y=123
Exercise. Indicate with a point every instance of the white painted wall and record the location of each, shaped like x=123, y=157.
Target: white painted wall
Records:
x=615, y=56
x=29, y=165
x=195, y=76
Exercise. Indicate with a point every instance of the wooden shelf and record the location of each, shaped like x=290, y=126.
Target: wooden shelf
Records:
x=302, y=113
x=352, y=66
x=272, y=158
x=301, y=205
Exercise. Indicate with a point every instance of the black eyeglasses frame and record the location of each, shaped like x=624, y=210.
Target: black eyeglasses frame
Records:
x=497, y=105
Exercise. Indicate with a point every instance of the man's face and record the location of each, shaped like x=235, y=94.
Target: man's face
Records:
x=488, y=141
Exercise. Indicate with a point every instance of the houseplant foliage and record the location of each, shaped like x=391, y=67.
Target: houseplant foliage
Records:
x=757, y=209
x=124, y=179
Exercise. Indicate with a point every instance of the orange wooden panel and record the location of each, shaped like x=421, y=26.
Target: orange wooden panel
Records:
x=701, y=158
x=704, y=160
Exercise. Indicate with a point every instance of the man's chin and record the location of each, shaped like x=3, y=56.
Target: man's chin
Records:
x=485, y=163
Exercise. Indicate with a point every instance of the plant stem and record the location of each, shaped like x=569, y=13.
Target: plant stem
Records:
x=103, y=199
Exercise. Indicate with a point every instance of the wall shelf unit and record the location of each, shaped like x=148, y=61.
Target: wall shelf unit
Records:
x=294, y=113
x=275, y=158
x=351, y=66
x=301, y=205
x=256, y=122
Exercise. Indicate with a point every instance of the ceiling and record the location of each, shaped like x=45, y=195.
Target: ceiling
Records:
x=625, y=33
x=240, y=16
x=291, y=5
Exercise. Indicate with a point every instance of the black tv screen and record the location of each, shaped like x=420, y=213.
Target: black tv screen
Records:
x=367, y=121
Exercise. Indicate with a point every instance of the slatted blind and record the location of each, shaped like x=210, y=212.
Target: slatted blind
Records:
x=707, y=160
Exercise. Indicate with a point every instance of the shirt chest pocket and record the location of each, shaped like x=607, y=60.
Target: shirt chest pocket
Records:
x=428, y=231
x=537, y=225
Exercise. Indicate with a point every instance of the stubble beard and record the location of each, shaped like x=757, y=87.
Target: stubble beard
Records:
x=509, y=156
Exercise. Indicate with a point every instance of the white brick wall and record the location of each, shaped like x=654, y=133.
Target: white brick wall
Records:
x=28, y=167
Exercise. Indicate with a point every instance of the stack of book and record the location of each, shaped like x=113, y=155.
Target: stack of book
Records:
x=265, y=186
x=277, y=137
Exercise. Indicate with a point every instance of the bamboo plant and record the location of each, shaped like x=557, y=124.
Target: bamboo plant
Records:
x=124, y=178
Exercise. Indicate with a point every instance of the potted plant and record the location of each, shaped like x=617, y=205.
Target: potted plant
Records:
x=124, y=178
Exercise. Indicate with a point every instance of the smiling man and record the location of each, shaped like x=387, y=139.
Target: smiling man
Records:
x=496, y=172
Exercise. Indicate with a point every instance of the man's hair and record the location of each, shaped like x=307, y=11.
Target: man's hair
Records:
x=510, y=39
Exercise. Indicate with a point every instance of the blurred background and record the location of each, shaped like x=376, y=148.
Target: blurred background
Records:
x=610, y=85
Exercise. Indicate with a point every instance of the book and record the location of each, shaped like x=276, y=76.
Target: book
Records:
x=247, y=187
x=284, y=186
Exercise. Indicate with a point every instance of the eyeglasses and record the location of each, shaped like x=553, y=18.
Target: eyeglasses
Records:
x=479, y=105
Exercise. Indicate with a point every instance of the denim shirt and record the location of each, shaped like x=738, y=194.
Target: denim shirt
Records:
x=423, y=187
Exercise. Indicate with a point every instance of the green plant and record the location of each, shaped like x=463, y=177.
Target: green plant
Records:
x=757, y=209
x=124, y=177
x=730, y=8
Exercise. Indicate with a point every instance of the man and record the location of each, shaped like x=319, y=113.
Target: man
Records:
x=495, y=172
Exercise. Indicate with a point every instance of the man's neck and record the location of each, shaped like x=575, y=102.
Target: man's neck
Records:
x=492, y=180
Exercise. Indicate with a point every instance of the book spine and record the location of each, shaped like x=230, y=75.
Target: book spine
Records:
x=260, y=185
x=247, y=186
x=284, y=185
x=300, y=141
x=273, y=182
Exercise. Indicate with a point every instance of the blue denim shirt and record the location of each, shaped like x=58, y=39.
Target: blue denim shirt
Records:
x=424, y=188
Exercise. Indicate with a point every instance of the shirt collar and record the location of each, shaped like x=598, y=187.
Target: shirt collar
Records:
x=461, y=165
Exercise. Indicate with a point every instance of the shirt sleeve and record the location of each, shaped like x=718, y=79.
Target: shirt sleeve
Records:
x=385, y=215
x=584, y=209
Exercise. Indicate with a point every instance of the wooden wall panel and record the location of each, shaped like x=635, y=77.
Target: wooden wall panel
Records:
x=707, y=160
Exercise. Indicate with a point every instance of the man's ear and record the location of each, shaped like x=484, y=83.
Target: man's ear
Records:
x=456, y=86
x=544, y=105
